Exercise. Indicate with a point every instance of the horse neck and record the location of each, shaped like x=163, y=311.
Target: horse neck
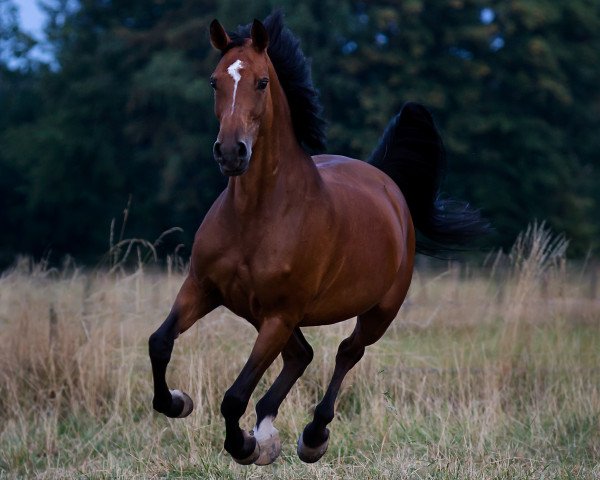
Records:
x=279, y=166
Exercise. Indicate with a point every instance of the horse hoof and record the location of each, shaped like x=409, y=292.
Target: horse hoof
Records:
x=309, y=454
x=253, y=456
x=267, y=437
x=188, y=404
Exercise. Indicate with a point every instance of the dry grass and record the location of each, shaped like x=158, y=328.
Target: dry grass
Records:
x=488, y=373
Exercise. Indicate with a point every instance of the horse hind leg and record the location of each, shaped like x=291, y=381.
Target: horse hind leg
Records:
x=297, y=354
x=191, y=304
x=370, y=326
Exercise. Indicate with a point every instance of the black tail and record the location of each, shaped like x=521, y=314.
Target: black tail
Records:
x=411, y=152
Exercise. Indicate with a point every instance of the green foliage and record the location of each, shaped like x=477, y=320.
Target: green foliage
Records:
x=126, y=110
x=513, y=96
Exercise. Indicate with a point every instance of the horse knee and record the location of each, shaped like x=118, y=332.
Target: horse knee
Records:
x=160, y=346
x=160, y=343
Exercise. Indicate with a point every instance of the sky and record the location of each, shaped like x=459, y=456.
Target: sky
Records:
x=32, y=21
x=31, y=17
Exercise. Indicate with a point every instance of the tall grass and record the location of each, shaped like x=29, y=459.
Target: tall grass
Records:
x=486, y=373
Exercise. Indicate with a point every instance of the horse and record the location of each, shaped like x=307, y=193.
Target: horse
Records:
x=297, y=240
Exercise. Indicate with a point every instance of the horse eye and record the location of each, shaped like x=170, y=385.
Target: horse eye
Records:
x=213, y=83
x=262, y=83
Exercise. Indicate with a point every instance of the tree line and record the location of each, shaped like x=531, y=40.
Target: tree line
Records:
x=123, y=110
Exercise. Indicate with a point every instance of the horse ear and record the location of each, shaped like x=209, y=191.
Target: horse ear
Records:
x=218, y=36
x=259, y=35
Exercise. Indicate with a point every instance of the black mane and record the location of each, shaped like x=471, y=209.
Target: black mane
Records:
x=293, y=71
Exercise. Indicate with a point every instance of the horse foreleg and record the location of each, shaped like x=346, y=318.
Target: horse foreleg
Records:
x=273, y=335
x=192, y=302
x=296, y=354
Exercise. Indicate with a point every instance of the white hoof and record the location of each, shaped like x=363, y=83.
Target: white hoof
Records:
x=309, y=454
x=253, y=456
x=188, y=404
x=267, y=437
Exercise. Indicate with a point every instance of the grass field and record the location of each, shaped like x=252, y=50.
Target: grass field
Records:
x=487, y=372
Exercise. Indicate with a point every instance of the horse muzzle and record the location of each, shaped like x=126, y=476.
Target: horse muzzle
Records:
x=233, y=158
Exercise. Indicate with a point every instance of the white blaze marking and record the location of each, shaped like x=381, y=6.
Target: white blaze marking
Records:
x=234, y=71
x=265, y=430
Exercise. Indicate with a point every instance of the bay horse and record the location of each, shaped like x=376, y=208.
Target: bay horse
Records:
x=297, y=241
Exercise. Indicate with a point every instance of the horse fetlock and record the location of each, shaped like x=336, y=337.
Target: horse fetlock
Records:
x=315, y=435
x=177, y=405
x=311, y=454
x=267, y=437
x=266, y=407
x=324, y=414
x=181, y=398
x=249, y=451
x=161, y=404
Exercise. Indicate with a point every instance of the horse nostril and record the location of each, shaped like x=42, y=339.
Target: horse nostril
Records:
x=242, y=150
x=217, y=150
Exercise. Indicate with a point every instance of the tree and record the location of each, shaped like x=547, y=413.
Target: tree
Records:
x=510, y=84
x=125, y=111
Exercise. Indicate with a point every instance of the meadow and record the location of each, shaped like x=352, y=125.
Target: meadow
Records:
x=491, y=370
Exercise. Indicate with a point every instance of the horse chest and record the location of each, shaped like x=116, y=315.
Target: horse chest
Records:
x=259, y=267
x=255, y=282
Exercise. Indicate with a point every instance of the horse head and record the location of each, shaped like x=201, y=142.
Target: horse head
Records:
x=241, y=85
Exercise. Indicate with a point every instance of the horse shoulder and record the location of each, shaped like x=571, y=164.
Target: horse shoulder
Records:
x=212, y=250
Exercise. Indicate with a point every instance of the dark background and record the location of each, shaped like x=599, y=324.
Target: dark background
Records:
x=123, y=112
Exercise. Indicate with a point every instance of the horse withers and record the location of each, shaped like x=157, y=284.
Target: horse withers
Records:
x=297, y=241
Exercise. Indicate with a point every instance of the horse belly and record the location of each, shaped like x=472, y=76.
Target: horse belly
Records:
x=357, y=286
x=342, y=305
